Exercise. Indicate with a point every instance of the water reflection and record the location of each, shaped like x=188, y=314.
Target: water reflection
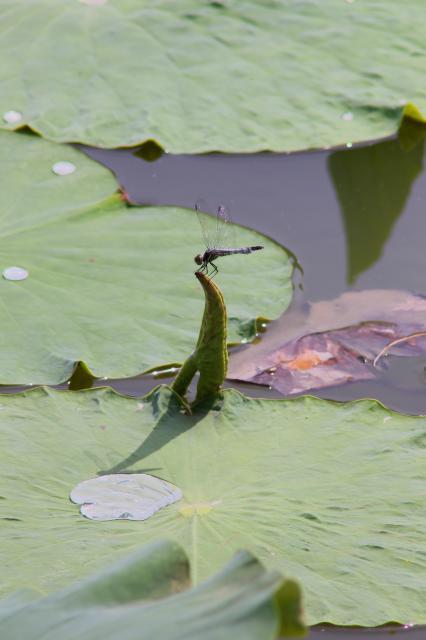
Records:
x=372, y=184
x=353, y=217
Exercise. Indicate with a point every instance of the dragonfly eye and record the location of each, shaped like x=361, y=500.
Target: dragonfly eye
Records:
x=199, y=259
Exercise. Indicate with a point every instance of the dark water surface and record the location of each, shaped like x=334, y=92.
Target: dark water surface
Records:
x=355, y=218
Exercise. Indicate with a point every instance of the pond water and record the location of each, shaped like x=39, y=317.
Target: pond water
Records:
x=354, y=218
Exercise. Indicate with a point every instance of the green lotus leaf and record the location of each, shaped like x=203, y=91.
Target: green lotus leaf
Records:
x=330, y=494
x=109, y=285
x=32, y=195
x=197, y=77
x=210, y=356
x=148, y=593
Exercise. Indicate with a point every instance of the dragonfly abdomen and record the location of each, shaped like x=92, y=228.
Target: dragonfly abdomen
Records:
x=212, y=254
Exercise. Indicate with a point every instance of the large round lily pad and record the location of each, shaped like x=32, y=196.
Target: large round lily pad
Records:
x=330, y=494
x=110, y=285
x=196, y=77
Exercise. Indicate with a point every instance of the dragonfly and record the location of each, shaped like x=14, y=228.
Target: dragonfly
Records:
x=215, y=240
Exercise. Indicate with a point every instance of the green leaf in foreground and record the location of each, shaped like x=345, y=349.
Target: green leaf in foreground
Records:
x=147, y=596
x=108, y=285
x=332, y=495
x=198, y=77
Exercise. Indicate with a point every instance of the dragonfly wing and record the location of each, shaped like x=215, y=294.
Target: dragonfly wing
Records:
x=217, y=228
x=207, y=223
x=225, y=230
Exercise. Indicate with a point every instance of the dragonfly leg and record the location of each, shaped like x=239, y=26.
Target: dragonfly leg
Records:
x=216, y=270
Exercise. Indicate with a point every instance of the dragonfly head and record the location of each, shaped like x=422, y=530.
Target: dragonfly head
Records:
x=199, y=259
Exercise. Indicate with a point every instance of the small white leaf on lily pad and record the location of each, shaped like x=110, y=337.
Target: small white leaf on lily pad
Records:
x=124, y=496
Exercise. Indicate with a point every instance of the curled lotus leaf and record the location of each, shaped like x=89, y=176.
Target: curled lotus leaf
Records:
x=151, y=590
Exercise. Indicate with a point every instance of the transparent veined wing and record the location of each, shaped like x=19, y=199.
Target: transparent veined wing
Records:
x=217, y=228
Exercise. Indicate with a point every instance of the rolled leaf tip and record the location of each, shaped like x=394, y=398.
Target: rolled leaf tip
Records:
x=210, y=357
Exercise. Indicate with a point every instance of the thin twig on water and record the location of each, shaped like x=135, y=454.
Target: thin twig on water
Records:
x=385, y=349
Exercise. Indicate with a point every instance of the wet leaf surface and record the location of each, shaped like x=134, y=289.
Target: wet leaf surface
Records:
x=329, y=494
x=334, y=341
x=149, y=593
x=108, y=285
x=213, y=76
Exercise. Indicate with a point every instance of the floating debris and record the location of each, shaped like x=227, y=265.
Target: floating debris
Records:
x=15, y=273
x=333, y=342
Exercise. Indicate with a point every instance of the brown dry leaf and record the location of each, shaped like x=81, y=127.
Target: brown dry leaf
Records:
x=315, y=345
